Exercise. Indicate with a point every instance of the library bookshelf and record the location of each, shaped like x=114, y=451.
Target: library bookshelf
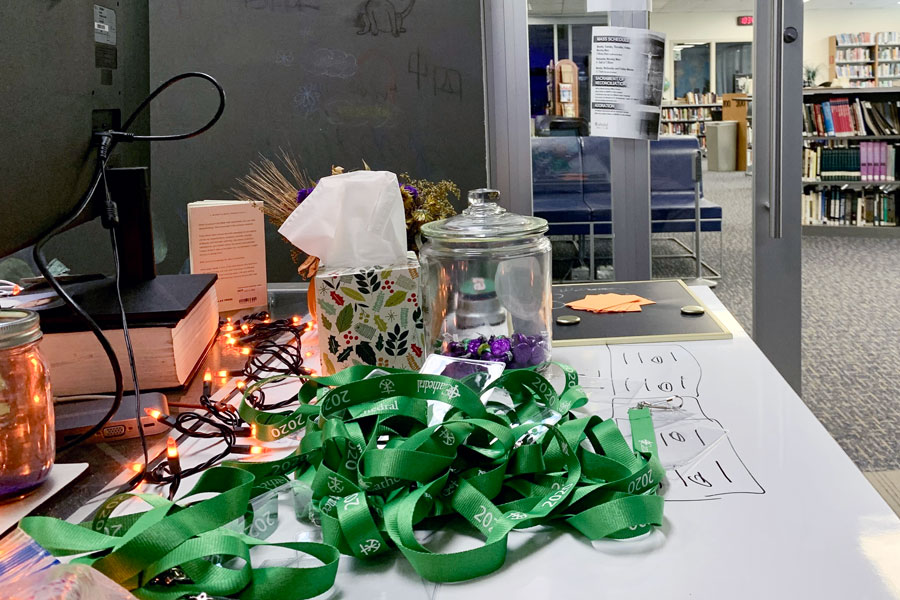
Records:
x=851, y=161
x=690, y=116
x=867, y=60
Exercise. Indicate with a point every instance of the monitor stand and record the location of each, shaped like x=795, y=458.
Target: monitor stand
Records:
x=149, y=300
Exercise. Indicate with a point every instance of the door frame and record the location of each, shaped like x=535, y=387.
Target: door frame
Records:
x=777, y=187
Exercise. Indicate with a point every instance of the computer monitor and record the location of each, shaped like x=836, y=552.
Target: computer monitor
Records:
x=69, y=68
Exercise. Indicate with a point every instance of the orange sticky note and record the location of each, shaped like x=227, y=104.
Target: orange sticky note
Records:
x=610, y=303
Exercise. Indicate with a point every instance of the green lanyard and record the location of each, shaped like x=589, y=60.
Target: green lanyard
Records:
x=378, y=472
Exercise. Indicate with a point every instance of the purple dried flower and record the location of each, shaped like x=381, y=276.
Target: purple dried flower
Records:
x=303, y=194
x=412, y=191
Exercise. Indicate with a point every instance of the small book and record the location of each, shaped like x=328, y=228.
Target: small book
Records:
x=228, y=238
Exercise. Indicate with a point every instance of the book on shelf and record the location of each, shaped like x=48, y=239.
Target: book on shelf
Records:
x=671, y=113
x=852, y=71
x=869, y=161
x=887, y=37
x=853, y=55
x=842, y=117
x=889, y=53
x=889, y=70
x=696, y=129
x=834, y=206
x=695, y=98
x=854, y=39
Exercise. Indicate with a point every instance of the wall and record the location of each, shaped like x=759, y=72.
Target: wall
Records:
x=317, y=79
x=818, y=26
x=696, y=27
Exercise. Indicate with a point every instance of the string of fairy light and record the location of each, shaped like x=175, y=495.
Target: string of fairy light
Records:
x=272, y=347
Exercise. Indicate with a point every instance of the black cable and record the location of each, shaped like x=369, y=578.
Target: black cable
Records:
x=162, y=474
x=272, y=356
x=130, y=349
x=175, y=137
x=226, y=423
x=42, y=266
x=107, y=143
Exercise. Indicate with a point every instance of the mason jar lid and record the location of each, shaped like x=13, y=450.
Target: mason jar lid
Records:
x=18, y=327
x=485, y=220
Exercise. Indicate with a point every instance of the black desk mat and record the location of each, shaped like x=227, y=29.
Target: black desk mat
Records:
x=660, y=322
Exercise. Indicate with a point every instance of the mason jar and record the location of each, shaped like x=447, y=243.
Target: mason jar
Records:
x=486, y=277
x=27, y=435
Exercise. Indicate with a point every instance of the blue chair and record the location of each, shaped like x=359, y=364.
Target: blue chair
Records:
x=573, y=190
x=557, y=174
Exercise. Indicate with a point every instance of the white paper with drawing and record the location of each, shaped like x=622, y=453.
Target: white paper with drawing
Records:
x=227, y=238
x=626, y=82
x=700, y=459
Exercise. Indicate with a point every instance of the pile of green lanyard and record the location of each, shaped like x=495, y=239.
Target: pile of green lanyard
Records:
x=378, y=473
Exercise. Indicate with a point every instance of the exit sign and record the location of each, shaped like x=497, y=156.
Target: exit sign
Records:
x=745, y=21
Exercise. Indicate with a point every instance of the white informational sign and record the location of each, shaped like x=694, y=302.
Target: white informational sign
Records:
x=618, y=5
x=626, y=82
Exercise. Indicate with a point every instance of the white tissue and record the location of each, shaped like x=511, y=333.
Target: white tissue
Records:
x=351, y=220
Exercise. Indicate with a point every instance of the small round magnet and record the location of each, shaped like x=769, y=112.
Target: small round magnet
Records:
x=693, y=310
x=568, y=320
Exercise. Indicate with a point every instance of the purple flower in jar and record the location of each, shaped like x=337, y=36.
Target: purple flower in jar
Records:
x=500, y=346
x=455, y=350
x=303, y=194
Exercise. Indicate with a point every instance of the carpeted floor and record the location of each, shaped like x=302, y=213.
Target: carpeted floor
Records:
x=851, y=312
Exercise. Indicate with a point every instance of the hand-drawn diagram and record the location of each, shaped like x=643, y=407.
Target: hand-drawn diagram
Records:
x=382, y=16
x=655, y=371
x=700, y=460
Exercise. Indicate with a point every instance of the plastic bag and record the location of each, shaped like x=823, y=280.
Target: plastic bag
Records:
x=66, y=582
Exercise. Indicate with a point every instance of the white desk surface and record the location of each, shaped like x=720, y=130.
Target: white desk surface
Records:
x=771, y=508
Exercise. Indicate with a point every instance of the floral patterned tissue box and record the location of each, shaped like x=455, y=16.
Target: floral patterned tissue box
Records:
x=370, y=316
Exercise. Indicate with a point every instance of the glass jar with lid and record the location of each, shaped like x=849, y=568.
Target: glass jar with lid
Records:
x=486, y=277
x=27, y=442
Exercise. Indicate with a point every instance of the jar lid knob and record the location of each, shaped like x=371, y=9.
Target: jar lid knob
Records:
x=480, y=196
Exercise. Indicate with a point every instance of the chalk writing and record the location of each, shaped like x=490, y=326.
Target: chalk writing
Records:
x=444, y=80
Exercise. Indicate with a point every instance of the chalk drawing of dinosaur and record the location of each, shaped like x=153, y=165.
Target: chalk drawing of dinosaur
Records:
x=382, y=16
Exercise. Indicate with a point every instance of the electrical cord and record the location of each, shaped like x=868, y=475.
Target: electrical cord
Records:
x=272, y=356
x=223, y=419
x=107, y=143
x=127, y=335
x=41, y=262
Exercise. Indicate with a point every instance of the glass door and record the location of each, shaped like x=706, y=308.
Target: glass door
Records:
x=737, y=219
x=571, y=174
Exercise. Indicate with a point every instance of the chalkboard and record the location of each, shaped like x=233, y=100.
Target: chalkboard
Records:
x=660, y=322
x=397, y=83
